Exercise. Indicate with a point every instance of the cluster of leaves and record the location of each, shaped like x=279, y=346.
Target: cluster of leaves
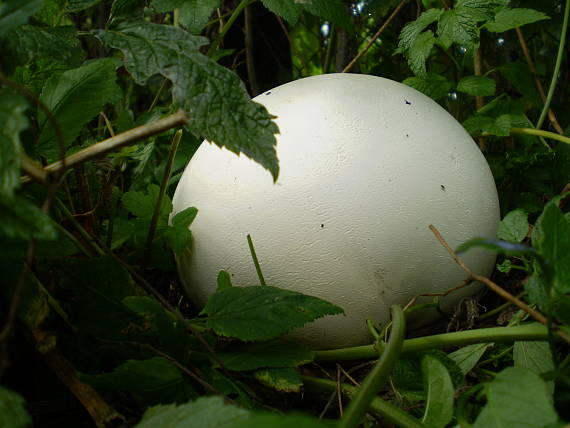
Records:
x=88, y=255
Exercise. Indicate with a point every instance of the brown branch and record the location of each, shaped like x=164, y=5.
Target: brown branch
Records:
x=496, y=288
x=34, y=170
x=117, y=142
x=374, y=38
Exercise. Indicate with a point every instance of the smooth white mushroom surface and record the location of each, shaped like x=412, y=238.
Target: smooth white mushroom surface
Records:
x=366, y=165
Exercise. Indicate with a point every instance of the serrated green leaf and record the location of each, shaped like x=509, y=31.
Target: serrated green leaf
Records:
x=262, y=312
x=331, y=10
x=74, y=98
x=420, y=51
x=21, y=219
x=500, y=126
x=551, y=237
x=439, y=393
x=224, y=280
x=480, y=10
x=476, y=85
x=193, y=14
x=468, y=356
x=286, y=9
x=458, y=26
x=155, y=380
x=281, y=379
x=506, y=266
x=142, y=204
x=210, y=412
x=12, y=122
x=433, y=85
x=517, y=397
x=214, y=96
x=514, y=227
x=79, y=5
x=276, y=353
x=14, y=13
x=507, y=19
x=537, y=290
x=413, y=29
x=535, y=356
x=13, y=413
x=477, y=124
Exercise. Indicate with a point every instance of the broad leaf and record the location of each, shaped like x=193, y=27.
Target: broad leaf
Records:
x=517, y=397
x=14, y=13
x=288, y=10
x=480, y=10
x=13, y=412
x=508, y=19
x=458, y=26
x=193, y=14
x=12, y=122
x=209, y=412
x=276, y=353
x=420, y=51
x=476, y=85
x=21, y=219
x=216, y=99
x=281, y=379
x=177, y=235
x=519, y=75
x=433, y=85
x=468, y=356
x=514, y=227
x=439, y=393
x=537, y=290
x=224, y=280
x=413, y=29
x=535, y=356
x=74, y=98
x=79, y=5
x=262, y=312
x=500, y=126
x=331, y=10
x=275, y=420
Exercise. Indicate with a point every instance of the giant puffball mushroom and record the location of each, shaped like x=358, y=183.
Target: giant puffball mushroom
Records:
x=366, y=164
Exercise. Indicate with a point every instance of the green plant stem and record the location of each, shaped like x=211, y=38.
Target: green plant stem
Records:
x=529, y=332
x=161, y=193
x=328, y=52
x=557, y=65
x=378, y=406
x=255, y=260
x=501, y=308
x=379, y=374
x=237, y=11
x=95, y=248
x=541, y=133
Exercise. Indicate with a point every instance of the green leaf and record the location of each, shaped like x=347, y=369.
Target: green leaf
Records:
x=507, y=19
x=519, y=75
x=13, y=412
x=514, y=227
x=21, y=219
x=155, y=380
x=262, y=312
x=420, y=51
x=468, y=356
x=286, y=9
x=517, y=397
x=275, y=420
x=178, y=236
x=459, y=25
x=476, y=85
x=501, y=247
x=331, y=10
x=537, y=290
x=210, y=412
x=14, y=13
x=433, y=85
x=79, y=5
x=12, y=122
x=500, y=126
x=215, y=98
x=439, y=391
x=281, y=379
x=480, y=10
x=535, y=356
x=75, y=97
x=413, y=29
x=142, y=205
x=224, y=280
x=193, y=14
x=551, y=237
x=276, y=353
x=185, y=217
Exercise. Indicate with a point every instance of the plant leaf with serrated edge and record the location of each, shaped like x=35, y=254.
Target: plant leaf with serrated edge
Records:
x=216, y=99
x=433, y=85
x=286, y=9
x=476, y=85
x=14, y=13
x=468, y=356
x=517, y=397
x=193, y=14
x=21, y=219
x=13, y=412
x=74, y=6
x=75, y=97
x=439, y=393
x=508, y=19
x=535, y=356
x=284, y=379
x=204, y=412
x=514, y=227
x=262, y=312
x=413, y=29
x=12, y=122
x=276, y=353
x=420, y=51
x=331, y=10
x=458, y=26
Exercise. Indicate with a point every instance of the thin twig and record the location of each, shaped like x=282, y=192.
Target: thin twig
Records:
x=255, y=260
x=250, y=52
x=374, y=38
x=496, y=288
x=34, y=170
x=338, y=391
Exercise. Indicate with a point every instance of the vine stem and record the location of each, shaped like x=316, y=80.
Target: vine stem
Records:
x=541, y=133
x=379, y=374
x=255, y=260
x=557, y=65
x=236, y=13
x=529, y=332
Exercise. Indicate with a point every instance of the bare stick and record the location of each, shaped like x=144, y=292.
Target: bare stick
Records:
x=34, y=170
x=115, y=143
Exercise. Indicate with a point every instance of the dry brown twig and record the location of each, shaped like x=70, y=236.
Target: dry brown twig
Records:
x=497, y=288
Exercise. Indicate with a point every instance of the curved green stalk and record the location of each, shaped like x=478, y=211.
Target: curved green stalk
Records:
x=255, y=260
x=541, y=133
x=529, y=332
x=557, y=65
x=237, y=11
x=378, y=406
x=379, y=374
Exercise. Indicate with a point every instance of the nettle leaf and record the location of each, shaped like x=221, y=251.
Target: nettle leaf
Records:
x=155, y=380
x=79, y=5
x=514, y=227
x=458, y=25
x=467, y=357
x=14, y=13
x=535, y=356
x=262, y=312
x=12, y=122
x=499, y=126
x=214, y=96
x=331, y=10
x=551, y=237
x=193, y=14
x=433, y=85
x=281, y=379
x=142, y=204
x=286, y=9
x=209, y=412
x=439, y=393
x=517, y=397
x=420, y=51
x=413, y=29
x=75, y=97
x=507, y=19
x=480, y=10
x=21, y=219
x=276, y=353
x=13, y=413
x=476, y=85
